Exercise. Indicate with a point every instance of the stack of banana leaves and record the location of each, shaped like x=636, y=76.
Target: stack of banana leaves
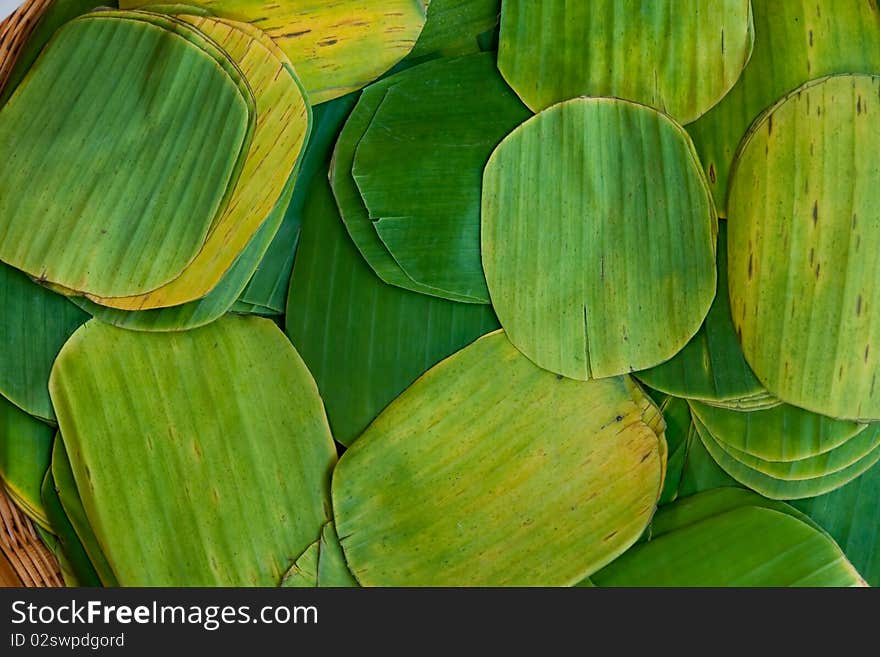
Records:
x=444, y=292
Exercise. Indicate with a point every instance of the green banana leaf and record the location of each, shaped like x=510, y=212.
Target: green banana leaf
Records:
x=783, y=433
x=268, y=286
x=75, y=557
x=282, y=128
x=679, y=56
x=336, y=47
x=784, y=489
x=34, y=325
x=707, y=504
x=461, y=481
x=677, y=416
x=218, y=301
x=322, y=564
x=806, y=252
x=700, y=472
x=227, y=454
x=453, y=27
x=437, y=125
x=711, y=366
x=363, y=340
x=51, y=542
x=56, y=14
x=348, y=197
x=72, y=506
x=852, y=516
x=82, y=84
x=830, y=462
x=795, y=41
x=745, y=546
x=611, y=280
x=25, y=451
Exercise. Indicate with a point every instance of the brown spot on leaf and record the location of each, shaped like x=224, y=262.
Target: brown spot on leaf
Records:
x=750, y=266
x=818, y=266
x=812, y=255
x=859, y=306
x=769, y=124
x=859, y=105
x=712, y=173
x=815, y=212
x=867, y=350
x=811, y=38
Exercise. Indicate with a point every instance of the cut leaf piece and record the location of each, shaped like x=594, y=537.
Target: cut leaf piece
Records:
x=322, y=564
x=351, y=206
x=205, y=310
x=453, y=27
x=33, y=327
x=438, y=128
x=826, y=463
x=677, y=416
x=782, y=489
x=363, y=340
x=696, y=508
x=806, y=252
x=72, y=507
x=795, y=41
x=336, y=47
x=282, y=128
x=68, y=542
x=747, y=546
x=100, y=75
x=851, y=515
x=189, y=506
x=461, y=481
x=711, y=366
x=270, y=282
x=783, y=433
x=700, y=472
x=25, y=451
x=679, y=56
x=619, y=272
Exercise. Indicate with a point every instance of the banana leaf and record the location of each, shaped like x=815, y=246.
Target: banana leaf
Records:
x=345, y=190
x=598, y=238
x=363, y=340
x=696, y=508
x=783, y=433
x=100, y=75
x=745, y=546
x=830, y=462
x=700, y=472
x=336, y=47
x=51, y=543
x=72, y=507
x=218, y=301
x=183, y=503
x=25, y=451
x=711, y=366
x=282, y=128
x=461, y=481
x=795, y=41
x=453, y=27
x=78, y=562
x=268, y=287
x=56, y=14
x=322, y=564
x=784, y=489
x=438, y=128
x=679, y=56
x=33, y=327
x=851, y=515
x=677, y=416
x=805, y=254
